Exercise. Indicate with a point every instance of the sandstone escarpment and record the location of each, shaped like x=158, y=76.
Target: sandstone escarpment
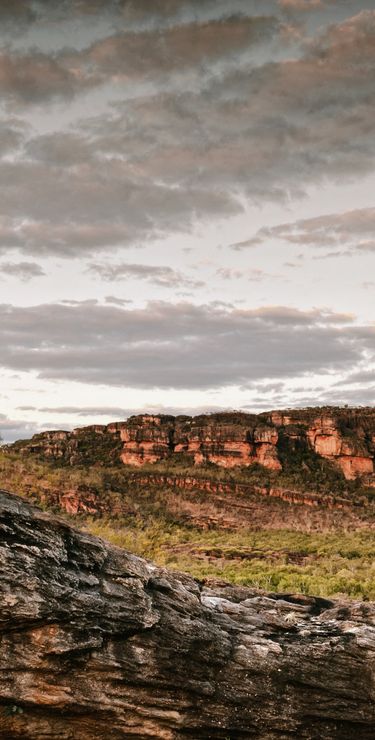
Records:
x=350, y=452
x=147, y=439
x=223, y=439
x=99, y=643
x=219, y=440
x=345, y=437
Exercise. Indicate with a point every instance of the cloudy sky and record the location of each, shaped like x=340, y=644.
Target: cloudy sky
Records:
x=187, y=207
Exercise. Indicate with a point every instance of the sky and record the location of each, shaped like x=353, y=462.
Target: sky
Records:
x=187, y=210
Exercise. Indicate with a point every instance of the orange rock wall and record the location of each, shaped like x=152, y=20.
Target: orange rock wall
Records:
x=151, y=439
x=350, y=453
x=346, y=437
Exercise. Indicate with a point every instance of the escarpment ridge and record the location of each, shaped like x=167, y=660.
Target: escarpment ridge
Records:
x=345, y=437
x=99, y=643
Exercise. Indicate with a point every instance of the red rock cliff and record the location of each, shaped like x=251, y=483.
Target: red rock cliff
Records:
x=221, y=440
x=346, y=437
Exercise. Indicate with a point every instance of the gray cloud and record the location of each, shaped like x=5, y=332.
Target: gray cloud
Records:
x=133, y=13
x=115, y=412
x=177, y=47
x=23, y=270
x=254, y=275
x=11, y=430
x=230, y=273
x=140, y=12
x=305, y=5
x=12, y=134
x=157, y=274
x=48, y=211
x=64, y=149
x=264, y=132
x=364, y=396
x=366, y=377
x=210, y=107
x=110, y=411
x=178, y=346
x=355, y=228
x=35, y=76
x=172, y=156
x=117, y=301
x=16, y=15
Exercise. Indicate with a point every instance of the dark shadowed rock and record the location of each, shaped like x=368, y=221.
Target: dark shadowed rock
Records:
x=98, y=643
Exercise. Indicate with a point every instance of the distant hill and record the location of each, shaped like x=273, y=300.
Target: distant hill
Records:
x=282, y=500
x=345, y=437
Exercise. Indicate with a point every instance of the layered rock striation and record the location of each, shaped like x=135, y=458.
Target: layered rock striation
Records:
x=346, y=437
x=96, y=642
x=220, y=439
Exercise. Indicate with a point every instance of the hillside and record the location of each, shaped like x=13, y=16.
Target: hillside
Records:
x=282, y=500
x=345, y=437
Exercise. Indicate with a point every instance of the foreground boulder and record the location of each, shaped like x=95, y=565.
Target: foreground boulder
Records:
x=97, y=643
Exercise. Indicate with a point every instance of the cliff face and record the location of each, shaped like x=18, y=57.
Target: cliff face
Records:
x=97, y=643
x=226, y=443
x=351, y=452
x=346, y=437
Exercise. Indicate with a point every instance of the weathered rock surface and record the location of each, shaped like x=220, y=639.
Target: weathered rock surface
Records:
x=97, y=643
x=346, y=437
x=350, y=452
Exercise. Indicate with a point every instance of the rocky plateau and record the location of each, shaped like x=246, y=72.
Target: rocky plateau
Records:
x=346, y=437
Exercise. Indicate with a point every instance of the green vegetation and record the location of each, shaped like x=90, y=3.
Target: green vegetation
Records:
x=304, y=468
x=151, y=520
x=327, y=564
